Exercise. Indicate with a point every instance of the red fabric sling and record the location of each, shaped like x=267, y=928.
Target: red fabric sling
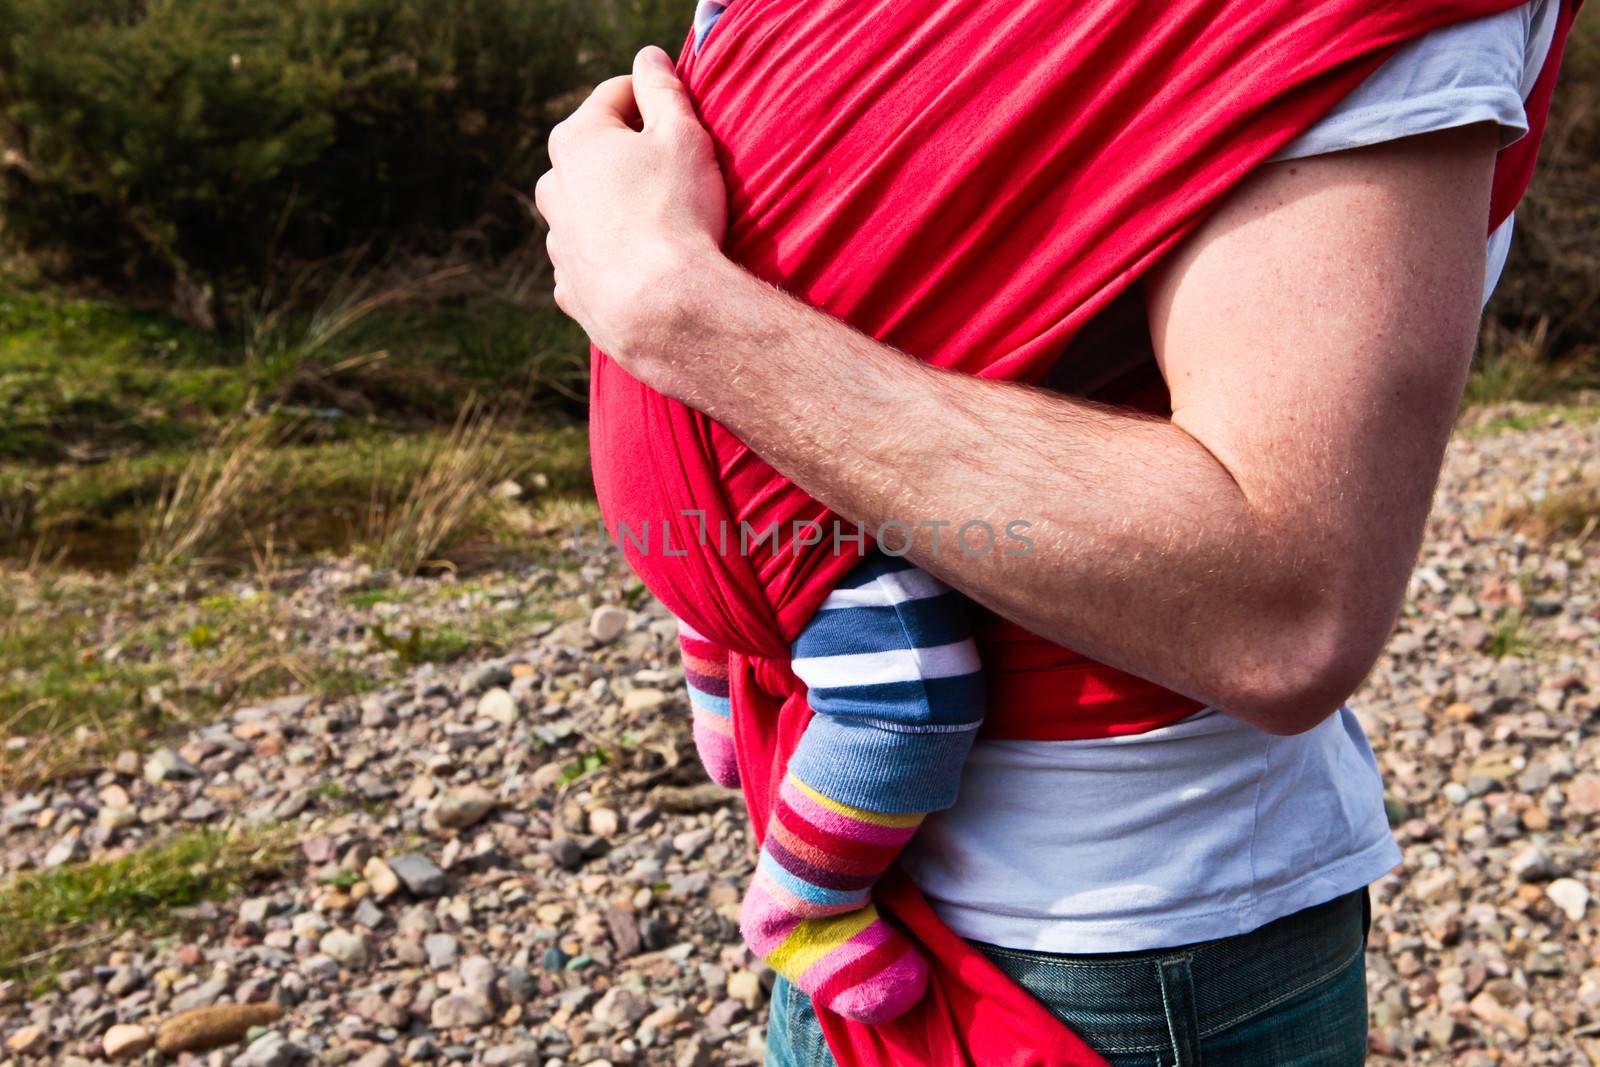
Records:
x=972, y=184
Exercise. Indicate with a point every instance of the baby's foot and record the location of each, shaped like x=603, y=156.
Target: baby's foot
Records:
x=809, y=913
x=705, y=670
x=853, y=963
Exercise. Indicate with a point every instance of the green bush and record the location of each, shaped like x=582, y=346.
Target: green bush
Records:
x=191, y=148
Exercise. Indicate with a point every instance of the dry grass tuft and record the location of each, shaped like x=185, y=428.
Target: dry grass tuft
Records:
x=1570, y=511
x=451, y=500
x=201, y=506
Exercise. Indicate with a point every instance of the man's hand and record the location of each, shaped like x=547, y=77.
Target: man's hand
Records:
x=633, y=198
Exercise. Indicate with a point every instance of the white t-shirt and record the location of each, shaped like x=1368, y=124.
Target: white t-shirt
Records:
x=1210, y=827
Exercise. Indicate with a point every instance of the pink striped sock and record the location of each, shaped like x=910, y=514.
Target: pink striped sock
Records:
x=809, y=914
x=705, y=672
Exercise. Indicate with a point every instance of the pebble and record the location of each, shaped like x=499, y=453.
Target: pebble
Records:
x=1570, y=895
x=347, y=948
x=499, y=705
x=273, y=1050
x=164, y=764
x=458, y=1010
x=212, y=1027
x=442, y=950
x=126, y=1041
x=607, y=623
x=461, y=808
x=420, y=874
x=523, y=1054
x=28, y=1040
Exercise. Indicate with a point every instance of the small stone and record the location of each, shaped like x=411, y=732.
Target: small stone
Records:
x=689, y=843
x=692, y=1053
x=320, y=849
x=525, y=1054
x=384, y=1012
x=63, y=852
x=516, y=986
x=607, y=624
x=125, y=1041
x=165, y=764
x=1583, y=794
x=478, y=974
x=442, y=950
x=458, y=1010
x=620, y=1007
x=28, y=1040
x=604, y=821
x=484, y=677
x=349, y=949
x=254, y=912
x=1570, y=895
x=204, y=994
x=745, y=987
x=725, y=1014
x=462, y=808
x=272, y=1050
x=381, y=877
x=624, y=930
x=499, y=705
x=567, y=853
x=1491, y=1011
x=204, y=1029
x=1532, y=864
x=420, y=874
x=117, y=818
x=377, y=1057
x=643, y=700
x=375, y=715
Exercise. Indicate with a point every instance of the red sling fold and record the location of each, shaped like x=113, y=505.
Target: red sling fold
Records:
x=972, y=184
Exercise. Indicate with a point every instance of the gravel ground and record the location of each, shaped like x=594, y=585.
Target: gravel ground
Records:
x=519, y=862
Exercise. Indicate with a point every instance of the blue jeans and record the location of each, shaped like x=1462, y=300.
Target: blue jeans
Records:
x=1291, y=994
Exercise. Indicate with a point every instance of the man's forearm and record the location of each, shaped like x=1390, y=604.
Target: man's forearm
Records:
x=1251, y=551
x=1147, y=555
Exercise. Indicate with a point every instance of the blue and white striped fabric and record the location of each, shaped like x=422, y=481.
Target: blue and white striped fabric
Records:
x=894, y=678
x=892, y=645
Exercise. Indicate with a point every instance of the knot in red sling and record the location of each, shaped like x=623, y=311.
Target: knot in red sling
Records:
x=970, y=183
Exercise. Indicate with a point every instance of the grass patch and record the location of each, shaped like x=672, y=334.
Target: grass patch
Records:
x=1509, y=638
x=1518, y=418
x=126, y=436
x=93, y=667
x=84, y=380
x=309, y=496
x=1518, y=367
x=44, y=914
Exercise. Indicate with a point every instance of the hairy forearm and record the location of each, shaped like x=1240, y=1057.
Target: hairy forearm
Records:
x=1146, y=552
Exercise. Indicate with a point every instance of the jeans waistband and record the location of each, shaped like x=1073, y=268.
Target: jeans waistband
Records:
x=1118, y=1001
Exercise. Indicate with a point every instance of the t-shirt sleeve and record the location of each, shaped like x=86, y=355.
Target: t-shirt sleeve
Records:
x=1474, y=71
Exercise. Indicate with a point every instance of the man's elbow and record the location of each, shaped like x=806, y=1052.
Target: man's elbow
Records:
x=1309, y=672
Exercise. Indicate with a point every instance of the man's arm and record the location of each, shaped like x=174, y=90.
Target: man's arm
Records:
x=1250, y=552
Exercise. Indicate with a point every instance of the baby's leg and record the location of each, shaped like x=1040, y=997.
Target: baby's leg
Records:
x=705, y=672
x=894, y=680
